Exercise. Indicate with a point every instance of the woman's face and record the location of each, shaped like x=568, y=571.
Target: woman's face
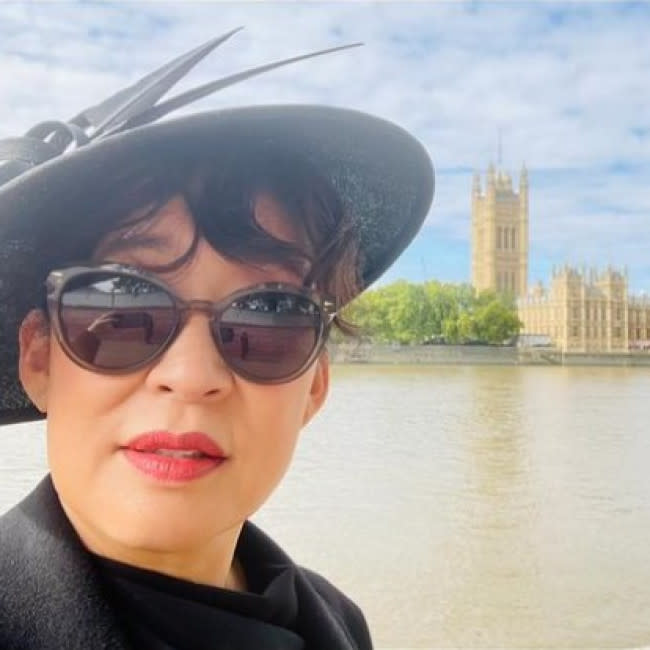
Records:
x=91, y=416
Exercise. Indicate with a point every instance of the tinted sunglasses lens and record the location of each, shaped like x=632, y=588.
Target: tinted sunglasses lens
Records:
x=269, y=335
x=114, y=321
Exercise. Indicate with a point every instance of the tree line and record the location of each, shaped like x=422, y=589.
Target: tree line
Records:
x=433, y=312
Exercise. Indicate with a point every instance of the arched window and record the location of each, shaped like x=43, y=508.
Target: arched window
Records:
x=499, y=238
x=513, y=239
x=505, y=238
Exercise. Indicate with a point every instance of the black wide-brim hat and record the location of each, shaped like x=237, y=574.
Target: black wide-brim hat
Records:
x=382, y=174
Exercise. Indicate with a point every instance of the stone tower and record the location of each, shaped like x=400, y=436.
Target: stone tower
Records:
x=500, y=233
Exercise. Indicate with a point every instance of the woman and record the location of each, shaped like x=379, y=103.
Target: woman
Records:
x=167, y=291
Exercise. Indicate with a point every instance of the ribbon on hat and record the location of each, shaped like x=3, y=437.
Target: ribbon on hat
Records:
x=129, y=108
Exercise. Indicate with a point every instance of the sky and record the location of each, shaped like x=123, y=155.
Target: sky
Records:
x=566, y=84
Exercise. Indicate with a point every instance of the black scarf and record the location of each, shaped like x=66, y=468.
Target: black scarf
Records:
x=52, y=594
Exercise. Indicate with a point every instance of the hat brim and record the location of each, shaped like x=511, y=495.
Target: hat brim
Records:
x=383, y=175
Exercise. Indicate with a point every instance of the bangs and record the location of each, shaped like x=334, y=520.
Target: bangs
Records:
x=221, y=194
x=222, y=197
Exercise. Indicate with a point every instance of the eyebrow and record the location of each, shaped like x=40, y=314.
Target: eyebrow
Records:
x=128, y=244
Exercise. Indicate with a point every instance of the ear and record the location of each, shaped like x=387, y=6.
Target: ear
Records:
x=34, y=362
x=319, y=387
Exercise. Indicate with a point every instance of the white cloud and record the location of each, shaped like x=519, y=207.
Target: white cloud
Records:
x=566, y=83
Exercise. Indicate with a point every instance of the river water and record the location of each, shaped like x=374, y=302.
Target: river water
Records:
x=465, y=507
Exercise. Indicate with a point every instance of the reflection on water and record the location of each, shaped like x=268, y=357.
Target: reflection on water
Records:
x=495, y=570
x=465, y=507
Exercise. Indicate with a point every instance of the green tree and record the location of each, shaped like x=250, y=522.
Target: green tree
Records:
x=442, y=305
x=495, y=322
x=412, y=313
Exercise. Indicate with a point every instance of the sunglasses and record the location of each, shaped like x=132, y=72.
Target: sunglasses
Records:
x=115, y=319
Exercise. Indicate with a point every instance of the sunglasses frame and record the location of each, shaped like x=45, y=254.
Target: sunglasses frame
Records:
x=58, y=280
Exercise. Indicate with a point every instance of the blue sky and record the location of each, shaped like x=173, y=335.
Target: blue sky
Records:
x=568, y=85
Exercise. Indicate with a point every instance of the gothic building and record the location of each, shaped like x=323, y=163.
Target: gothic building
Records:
x=587, y=312
x=500, y=233
x=581, y=311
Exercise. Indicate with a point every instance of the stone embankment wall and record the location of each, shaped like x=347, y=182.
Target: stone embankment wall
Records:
x=354, y=352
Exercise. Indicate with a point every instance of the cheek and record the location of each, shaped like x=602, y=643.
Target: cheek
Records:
x=82, y=409
x=276, y=413
x=269, y=431
x=85, y=410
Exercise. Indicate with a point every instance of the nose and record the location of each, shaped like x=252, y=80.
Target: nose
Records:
x=191, y=369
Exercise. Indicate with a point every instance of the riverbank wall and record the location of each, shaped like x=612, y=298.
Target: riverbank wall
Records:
x=355, y=352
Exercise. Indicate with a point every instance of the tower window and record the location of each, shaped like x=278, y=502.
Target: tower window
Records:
x=513, y=239
x=505, y=238
x=499, y=238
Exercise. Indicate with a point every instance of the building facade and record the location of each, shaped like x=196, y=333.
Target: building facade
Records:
x=580, y=311
x=587, y=312
x=500, y=233
x=638, y=323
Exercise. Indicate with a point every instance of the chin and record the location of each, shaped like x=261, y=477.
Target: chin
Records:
x=161, y=535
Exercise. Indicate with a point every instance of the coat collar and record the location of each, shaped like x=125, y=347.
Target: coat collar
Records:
x=48, y=587
x=50, y=591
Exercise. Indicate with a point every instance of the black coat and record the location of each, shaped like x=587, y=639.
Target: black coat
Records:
x=51, y=596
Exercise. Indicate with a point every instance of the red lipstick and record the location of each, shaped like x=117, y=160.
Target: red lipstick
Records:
x=174, y=457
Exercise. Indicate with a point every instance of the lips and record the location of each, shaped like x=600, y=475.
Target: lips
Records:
x=167, y=456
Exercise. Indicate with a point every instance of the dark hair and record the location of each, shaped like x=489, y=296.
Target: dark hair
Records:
x=220, y=190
